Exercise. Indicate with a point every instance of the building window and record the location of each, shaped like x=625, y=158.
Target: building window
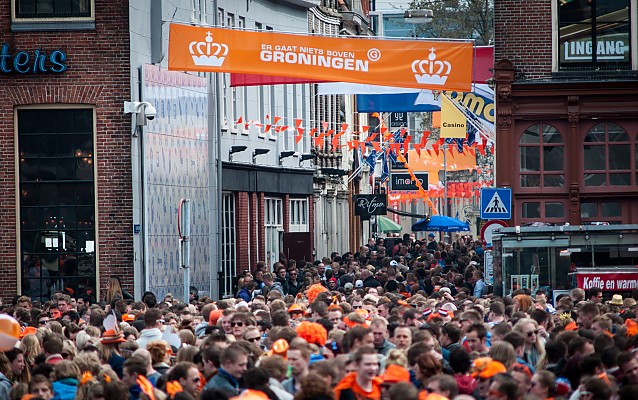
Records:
x=554, y=210
x=594, y=35
x=274, y=223
x=57, y=201
x=229, y=252
x=299, y=215
x=53, y=9
x=607, y=156
x=601, y=212
x=541, y=157
x=531, y=209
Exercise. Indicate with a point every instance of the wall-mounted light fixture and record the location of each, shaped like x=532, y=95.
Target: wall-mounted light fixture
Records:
x=285, y=154
x=258, y=152
x=235, y=149
x=305, y=157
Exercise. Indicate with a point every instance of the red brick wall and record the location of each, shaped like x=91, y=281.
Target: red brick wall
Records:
x=98, y=75
x=523, y=34
x=241, y=216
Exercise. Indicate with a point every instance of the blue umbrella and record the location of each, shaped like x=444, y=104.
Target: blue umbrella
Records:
x=440, y=223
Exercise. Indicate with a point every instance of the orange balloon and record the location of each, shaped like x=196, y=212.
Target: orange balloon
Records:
x=9, y=332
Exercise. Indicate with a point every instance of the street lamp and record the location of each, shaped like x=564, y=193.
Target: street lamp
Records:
x=418, y=16
x=285, y=154
x=305, y=157
x=258, y=152
x=235, y=149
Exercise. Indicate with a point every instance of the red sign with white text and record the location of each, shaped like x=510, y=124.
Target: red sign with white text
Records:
x=609, y=282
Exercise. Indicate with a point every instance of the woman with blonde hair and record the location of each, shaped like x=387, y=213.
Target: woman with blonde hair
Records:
x=30, y=346
x=160, y=355
x=504, y=353
x=113, y=291
x=109, y=350
x=534, y=347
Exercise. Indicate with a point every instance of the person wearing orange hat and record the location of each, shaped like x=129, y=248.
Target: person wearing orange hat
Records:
x=296, y=311
x=503, y=387
x=485, y=369
x=395, y=374
x=363, y=383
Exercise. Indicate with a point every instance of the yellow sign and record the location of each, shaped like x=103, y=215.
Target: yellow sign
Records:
x=453, y=122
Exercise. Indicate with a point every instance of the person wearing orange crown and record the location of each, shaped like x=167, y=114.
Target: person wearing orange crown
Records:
x=363, y=383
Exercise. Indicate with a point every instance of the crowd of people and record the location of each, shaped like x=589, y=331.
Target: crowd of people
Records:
x=413, y=320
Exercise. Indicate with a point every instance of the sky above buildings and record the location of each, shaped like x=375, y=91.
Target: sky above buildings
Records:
x=392, y=4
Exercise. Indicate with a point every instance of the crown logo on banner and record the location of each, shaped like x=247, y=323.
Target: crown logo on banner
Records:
x=208, y=53
x=431, y=71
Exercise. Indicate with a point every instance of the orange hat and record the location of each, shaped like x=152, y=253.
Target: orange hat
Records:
x=111, y=337
x=214, y=316
x=295, y=307
x=572, y=326
x=279, y=348
x=28, y=330
x=9, y=332
x=128, y=317
x=312, y=332
x=395, y=373
x=485, y=368
x=363, y=312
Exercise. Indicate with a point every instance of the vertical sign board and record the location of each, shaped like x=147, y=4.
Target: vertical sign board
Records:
x=398, y=120
x=488, y=262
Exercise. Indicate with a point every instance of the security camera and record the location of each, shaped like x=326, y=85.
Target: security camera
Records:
x=150, y=112
x=143, y=111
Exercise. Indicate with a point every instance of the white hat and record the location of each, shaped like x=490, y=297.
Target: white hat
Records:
x=241, y=304
x=449, y=307
x=473, y=263
x=394, y=263
x=348, y=286
x=445, y=289
x=358, y=284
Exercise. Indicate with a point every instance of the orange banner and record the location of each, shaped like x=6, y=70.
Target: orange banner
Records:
x=404, y=63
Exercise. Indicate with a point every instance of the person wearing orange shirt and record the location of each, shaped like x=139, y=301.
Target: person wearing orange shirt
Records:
x=363, y=384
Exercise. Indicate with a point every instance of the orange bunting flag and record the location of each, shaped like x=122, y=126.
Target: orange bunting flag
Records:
x=312, y=132
x=406, y=144
x=424, y=138
x=277, y=119
x=353, y=144
x=403, y=131
x=324, y=125
x=395, y=147
x=267, y=129
x=429, y=152
x=283, y=128
x=383, y=129
x=435, y=146
x=317, y=141
x=441, y=141
x=299, y=136
x=377, y=146
x=472, y=152
x=481, y=148
x=344, y=127
x=417, y=148
x=298, y=122
x=372, y=137
x=239, y=121
x=365, y=128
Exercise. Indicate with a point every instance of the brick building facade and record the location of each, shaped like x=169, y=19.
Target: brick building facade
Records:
x=566, y=76
x=67, y=214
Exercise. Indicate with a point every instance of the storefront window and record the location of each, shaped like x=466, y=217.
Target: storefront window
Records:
x=39, y=9
x=57, y=201
x=607, y=156
x=532, y=209
x=594, y=34
x=541, y=157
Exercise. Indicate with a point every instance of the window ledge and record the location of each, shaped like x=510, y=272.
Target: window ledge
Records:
x=31, y=26
x=272, y=137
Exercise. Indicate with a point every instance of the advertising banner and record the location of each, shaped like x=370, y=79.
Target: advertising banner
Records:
x=609, y=282
x=421, y=64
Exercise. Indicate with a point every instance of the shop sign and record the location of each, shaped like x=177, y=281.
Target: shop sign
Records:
x=609, y=282
x=366, y=205
x=605, y=50
x=23, y=62
x=421, y=64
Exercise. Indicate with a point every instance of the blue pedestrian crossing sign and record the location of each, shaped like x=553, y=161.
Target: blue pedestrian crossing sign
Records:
x=496, y=203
